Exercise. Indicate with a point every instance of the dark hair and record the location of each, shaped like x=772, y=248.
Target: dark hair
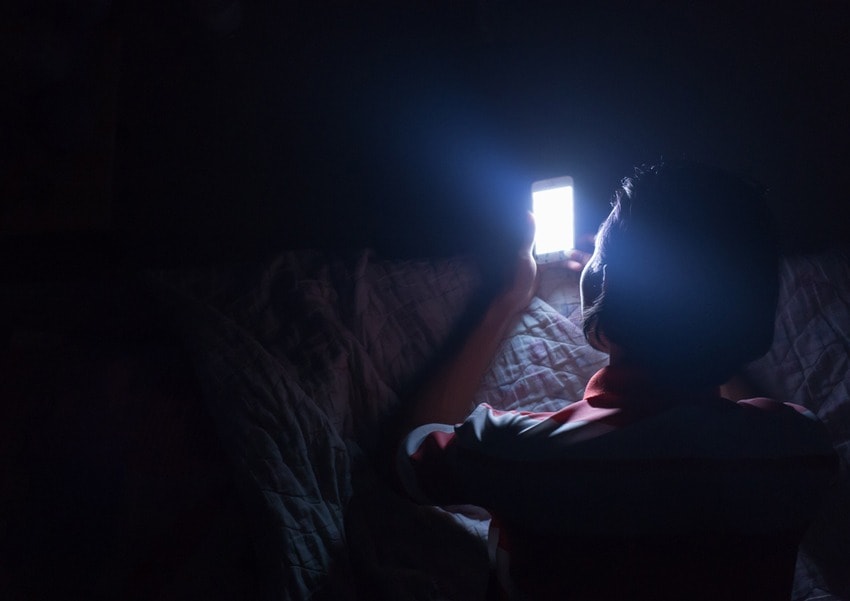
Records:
x=691, y=279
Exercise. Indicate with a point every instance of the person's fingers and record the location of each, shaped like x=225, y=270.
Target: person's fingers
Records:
x=577, y=259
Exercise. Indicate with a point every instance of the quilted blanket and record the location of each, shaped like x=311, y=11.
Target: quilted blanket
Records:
x=303, y=357
x=809, y=364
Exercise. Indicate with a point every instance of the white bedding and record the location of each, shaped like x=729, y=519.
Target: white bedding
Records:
x=303, y=356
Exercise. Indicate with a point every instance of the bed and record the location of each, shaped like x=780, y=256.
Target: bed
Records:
x=215, y=435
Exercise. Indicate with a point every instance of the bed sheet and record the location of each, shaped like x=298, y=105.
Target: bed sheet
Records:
x=304, y=355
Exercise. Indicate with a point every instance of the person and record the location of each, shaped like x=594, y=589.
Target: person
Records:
x=654, y=485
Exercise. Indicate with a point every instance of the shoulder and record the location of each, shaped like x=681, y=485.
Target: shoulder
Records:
x=494, y=437
x=768, y=404
x=527, y=436
x=794, y=429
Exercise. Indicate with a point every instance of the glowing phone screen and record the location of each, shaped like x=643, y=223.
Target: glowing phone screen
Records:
x=552, y=204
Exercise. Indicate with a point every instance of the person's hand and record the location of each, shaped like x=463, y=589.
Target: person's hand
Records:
x=559, y=280
x=522, y=282
x=577, y=259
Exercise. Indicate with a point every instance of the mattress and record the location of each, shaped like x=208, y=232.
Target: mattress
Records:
x=303, y=357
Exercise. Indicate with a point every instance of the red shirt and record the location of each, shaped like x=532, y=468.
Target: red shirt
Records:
x=624, y=467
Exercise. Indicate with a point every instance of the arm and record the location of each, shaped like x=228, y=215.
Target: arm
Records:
x=447, y=397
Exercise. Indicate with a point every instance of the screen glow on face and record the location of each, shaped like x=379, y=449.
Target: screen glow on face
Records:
x=553, y=218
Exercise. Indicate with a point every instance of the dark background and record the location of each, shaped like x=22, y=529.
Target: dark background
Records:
x=153, y=133
x=160, y=133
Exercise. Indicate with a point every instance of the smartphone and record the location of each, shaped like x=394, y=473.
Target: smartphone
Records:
x=552, y=205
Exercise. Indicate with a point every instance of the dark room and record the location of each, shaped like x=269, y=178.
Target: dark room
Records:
x=278, y=321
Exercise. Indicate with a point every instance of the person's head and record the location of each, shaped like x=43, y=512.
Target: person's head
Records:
x=684, y=280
